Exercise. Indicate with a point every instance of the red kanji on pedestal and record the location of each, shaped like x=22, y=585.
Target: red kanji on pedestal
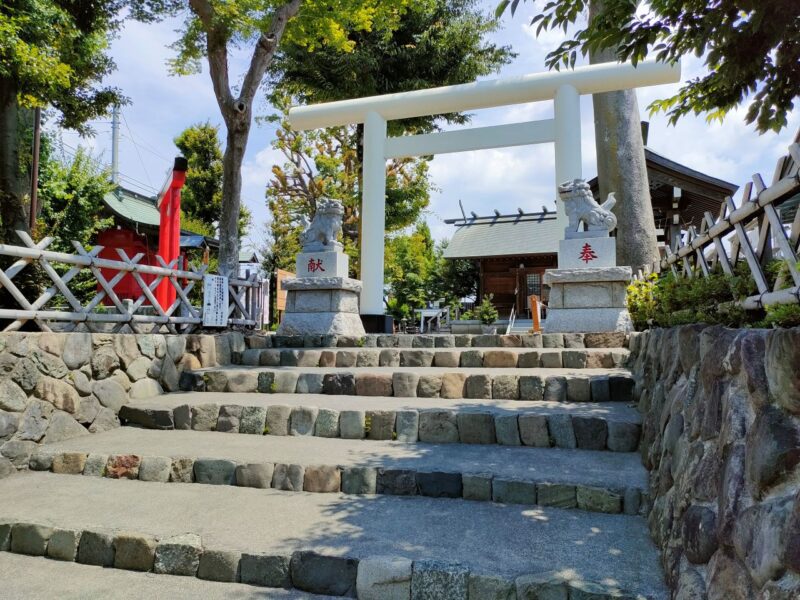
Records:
x=587, y=253
x=315, y=265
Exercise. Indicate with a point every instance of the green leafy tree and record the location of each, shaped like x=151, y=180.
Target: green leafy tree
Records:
x=410, y=264
x=53, y=54
x=751, y=49
x=435, y=43
x=201, y=197
x=213, y=28
x=322, y=164
x=455, y=279
x=71, y=194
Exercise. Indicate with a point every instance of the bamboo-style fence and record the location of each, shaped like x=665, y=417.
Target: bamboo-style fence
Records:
x=57, y=307
x=755, y=232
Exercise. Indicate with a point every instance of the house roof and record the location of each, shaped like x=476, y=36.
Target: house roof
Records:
x=141, y=211
x=247, y=256
x=504, y=235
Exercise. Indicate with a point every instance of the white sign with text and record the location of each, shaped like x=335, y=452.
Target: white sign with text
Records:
x=215, y=301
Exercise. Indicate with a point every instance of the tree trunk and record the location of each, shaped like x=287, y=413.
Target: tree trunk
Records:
x=236, y=143
x=13, y=214
x=621, y=168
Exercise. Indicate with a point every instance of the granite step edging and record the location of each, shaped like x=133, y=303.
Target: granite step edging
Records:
x=353, y=480
x=370, y=578
x=401, y=340
x=410, y=384
x=553, y=358
x=469, y=426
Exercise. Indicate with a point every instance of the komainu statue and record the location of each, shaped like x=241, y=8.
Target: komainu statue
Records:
x=320, y=235
x=581, y=207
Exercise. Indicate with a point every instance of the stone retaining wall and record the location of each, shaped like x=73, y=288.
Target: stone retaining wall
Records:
x=55, y=386
x=721, y=438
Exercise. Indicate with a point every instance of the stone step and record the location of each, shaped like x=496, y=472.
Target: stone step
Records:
x=606, y=426
x=491, y=543
x=24, y=576
x=555, y=385
x=468, y=358
x=516, y=340
x=594, y=481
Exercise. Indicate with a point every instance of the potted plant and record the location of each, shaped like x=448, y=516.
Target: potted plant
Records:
x=487, y=314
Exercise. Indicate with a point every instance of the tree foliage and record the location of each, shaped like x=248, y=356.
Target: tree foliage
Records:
x=214, y=28
x=751, y=49
x=322, y=164
x=435, y=43
x=71, y=192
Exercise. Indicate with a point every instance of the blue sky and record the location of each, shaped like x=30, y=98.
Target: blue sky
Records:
x=163, y=105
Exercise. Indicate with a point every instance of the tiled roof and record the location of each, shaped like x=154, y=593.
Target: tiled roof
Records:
x=515, y=235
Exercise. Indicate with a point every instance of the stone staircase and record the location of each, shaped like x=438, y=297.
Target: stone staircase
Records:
x=440, y=467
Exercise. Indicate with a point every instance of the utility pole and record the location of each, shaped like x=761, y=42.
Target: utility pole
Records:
x=115, y=145
x=37, y=132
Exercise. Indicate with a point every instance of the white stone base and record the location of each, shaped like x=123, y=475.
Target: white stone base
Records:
x=321, y=323
x=604, y=250
x=322, y=264
x=581, y=320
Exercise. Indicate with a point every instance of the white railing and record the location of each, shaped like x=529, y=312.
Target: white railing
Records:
x=58, y=307
x=753, y=232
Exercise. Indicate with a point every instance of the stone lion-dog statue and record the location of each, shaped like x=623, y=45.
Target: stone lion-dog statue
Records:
x=581, y=207
x=320, y=235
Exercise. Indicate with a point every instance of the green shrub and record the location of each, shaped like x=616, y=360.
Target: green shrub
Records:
x=486, y=311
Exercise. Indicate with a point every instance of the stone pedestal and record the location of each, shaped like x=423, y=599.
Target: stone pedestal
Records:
x=322, y=306
x=587, y=252
x=322, y=264
x=587, y=300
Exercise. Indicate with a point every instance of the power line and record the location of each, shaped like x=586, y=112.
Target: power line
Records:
x=136, y=146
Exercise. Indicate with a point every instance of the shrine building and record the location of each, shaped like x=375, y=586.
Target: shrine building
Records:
x=513, y=251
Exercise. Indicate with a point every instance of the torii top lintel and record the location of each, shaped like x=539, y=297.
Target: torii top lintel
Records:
x=588, y=79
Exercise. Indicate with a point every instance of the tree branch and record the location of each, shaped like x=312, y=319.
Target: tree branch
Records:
x=217, y=50
x=264, y=51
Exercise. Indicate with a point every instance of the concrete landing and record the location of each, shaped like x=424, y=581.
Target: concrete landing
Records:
x=488, y=538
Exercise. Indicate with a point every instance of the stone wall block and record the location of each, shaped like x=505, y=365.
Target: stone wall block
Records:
x=429, y=386
x=404, y=385
x=438, y=426
x=437, y=579
x=266, y=570
x=178, y=555
x=324, y=575
x=781, y=360
x=407, y=426
x=384, y=578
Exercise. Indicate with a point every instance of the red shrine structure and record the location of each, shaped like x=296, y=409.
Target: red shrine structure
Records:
x=150, y=226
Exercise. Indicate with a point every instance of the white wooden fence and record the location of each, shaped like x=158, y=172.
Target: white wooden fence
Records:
x=754, y=231
x=58, y=308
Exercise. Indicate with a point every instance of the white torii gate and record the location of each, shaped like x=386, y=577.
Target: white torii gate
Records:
x=564, y=87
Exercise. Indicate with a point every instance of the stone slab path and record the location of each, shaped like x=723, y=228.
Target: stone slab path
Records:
x=488, y=538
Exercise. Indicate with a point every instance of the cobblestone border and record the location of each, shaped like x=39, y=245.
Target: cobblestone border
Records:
x=467, y=358
x=470, y=426
x=401, y=384
x=349, y=480
x=371, y=578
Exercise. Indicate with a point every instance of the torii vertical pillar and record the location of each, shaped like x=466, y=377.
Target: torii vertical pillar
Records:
x=169, y=233
x=373, y=221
